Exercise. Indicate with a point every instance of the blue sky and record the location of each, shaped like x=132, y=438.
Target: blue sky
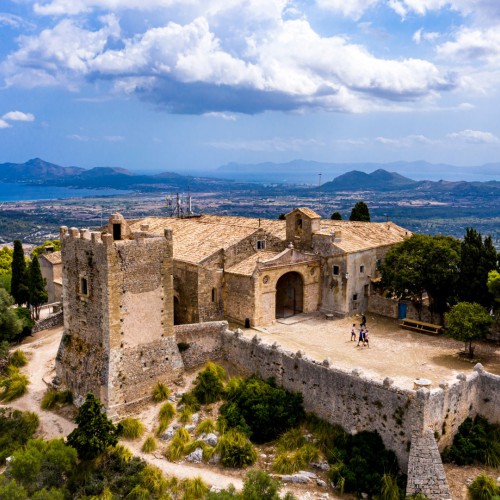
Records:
x=194, y=84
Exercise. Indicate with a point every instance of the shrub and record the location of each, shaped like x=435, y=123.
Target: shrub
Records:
x=14, y=385
x=483, y=488
x=259, y=484
x=149, y=445
x=205, y=427
x=131, y=428
x=160, y=393
x=194, y=489
x=477, y=441
x=209, y=384
x=291, y=440
x=236, y=450
x=261, y=409
x=53, y=398
x=188, y=399
x=178, y=445
x=18, y=359
x=153, y=480
x=389, y=489
x=289, y=462
x=167, y=413
x=16, y=428
x=185, y=415
x=11, y=490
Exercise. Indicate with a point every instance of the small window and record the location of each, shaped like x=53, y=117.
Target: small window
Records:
x=261, y=244
x=361, y=269
x=84, y=287
x=214, y=294
x=355, y=297
x=117, y=231
x=378, y=263
x=336, y=270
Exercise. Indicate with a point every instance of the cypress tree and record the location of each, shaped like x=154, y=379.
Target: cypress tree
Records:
x=336, y=216
x=38, y=293
x=19, y=282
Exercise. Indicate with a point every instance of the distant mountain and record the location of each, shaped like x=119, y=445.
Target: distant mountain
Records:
x=38, y=171
x=35, y=169
x=380, y=180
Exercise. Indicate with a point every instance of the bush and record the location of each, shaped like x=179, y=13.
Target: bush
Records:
x=188, y=399
x=194, y=489
x=291, y=440
x=18, y=359
x=483, y=488
x=131, y=428
x=185, y=415
x=14, y=385
x=261, y=410
x=160, y=393
x=477, y=441
x=205, y=427
x=16, y=429
x=149, y=445
x=177, y=446
x=167, y=413
x=289, y=462
x=11, y=490
x=236, y=450
x=53, y=398
x=209, y=384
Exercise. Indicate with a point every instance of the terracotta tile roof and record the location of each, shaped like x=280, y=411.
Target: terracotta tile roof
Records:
x=53, y=257
x=358, y=236
x=247, y=267
x=197, y=238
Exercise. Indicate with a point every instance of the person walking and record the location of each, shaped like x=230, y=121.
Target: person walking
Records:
x=366, y=340
x=353, y=333
x=361, y=337
x=363, y=321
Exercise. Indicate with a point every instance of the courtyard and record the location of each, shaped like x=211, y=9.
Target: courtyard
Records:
x=399, y=354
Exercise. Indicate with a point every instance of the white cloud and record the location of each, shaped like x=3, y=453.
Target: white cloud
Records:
x=428, y=36
x=474, y=137
x=223, y=116
x=348, y=8
x=18, y=116
x=406, y=142
x=78, y=137
x=4, y=124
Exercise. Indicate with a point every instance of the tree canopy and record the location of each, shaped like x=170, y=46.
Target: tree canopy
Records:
x=478, y=258
x=360, y=212
x=10, y=323
x=336, y=216
x=95, y=432
x=56, y=244
x=494, y=285
x=38, y=293
x=423, y=264
x=19, y=281
x=468, y=321
x=5, y=268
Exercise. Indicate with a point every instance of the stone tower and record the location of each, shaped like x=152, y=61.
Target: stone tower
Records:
x=118, y=314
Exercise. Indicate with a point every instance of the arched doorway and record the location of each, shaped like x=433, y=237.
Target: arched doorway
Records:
x=289, y=295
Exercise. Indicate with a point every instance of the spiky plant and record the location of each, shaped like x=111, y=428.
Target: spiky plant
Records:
x=160, y=393
x=131, y=428
x=149, y=445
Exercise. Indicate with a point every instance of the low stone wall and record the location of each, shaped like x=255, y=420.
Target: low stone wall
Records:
x=49, y=322
x=200, y=342
x=349, y=399
x=425, y=469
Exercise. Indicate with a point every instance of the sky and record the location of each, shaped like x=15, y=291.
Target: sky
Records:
x=157, y=85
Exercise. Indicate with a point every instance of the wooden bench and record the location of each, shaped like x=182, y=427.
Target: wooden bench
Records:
x=421, y=326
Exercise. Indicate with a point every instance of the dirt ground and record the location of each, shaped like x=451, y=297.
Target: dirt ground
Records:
x=400, y=354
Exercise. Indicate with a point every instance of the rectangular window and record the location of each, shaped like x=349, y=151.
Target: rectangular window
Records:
x=117, y=232
x=361, y=269
x=84, y=287
x=214, y=294
x=355, y=297
x=336, y=270
x=261, y=244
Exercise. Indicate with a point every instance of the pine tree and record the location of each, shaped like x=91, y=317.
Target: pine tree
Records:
x=336, y=216
x=360, y=212
x=19, y=282
x=38, y=293
x=477, y=259
x=95, y=432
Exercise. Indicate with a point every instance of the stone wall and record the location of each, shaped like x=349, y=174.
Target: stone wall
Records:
x=378, y=304
x=49, y=322
x=239, y=298
x=355, y=402
x=186, y=293
x=200, y=342
x=425, y=469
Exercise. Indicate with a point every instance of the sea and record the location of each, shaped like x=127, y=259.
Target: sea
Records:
x=28, y=192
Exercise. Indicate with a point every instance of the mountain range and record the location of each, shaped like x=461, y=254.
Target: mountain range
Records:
x=38, y=171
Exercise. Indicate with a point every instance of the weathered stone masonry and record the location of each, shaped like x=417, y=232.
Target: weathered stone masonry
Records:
x=118, y=315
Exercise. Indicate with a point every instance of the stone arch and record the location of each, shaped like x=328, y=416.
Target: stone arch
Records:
x=289, y=295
